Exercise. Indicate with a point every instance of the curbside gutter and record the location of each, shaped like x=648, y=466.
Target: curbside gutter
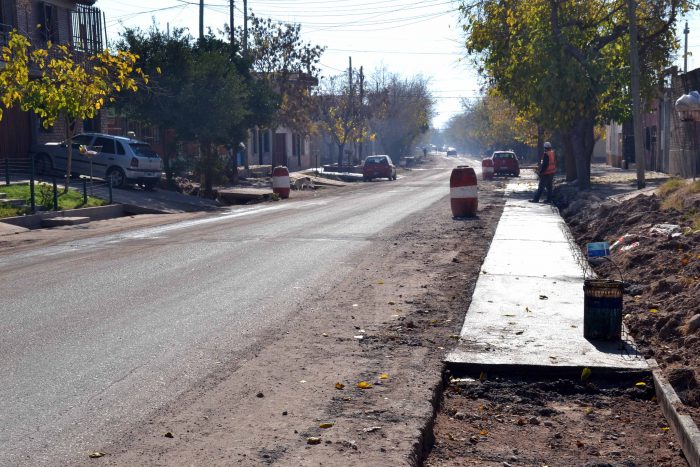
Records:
x=683, y=425
x=426, y=436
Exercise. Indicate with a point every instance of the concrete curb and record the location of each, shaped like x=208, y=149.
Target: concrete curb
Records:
x=686, y=429
x=94, y=213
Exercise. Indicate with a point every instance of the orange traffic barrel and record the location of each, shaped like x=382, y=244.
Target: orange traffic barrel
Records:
x=280, y=181
x=487, y=169
x=463, y=194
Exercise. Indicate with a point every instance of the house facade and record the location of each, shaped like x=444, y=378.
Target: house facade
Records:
x=76, y=23
x=280, y=146
x=671, y=144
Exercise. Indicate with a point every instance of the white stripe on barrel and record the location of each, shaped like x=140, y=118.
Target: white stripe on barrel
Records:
x=463, y=192
x=280, y=181
x=487, y=169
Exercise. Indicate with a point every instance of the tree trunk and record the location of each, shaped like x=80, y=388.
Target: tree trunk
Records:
x=583, y=139
x=341, y=147
x=208, y=169
x=69, y=160
x=569, y=157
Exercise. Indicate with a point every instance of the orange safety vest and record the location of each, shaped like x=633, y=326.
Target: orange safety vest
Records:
x=552, y=164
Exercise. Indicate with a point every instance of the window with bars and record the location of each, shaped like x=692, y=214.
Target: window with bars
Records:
x=49, y=22
x=87, y=29
x=7, y=19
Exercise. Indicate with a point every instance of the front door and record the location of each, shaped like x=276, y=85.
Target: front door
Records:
x=15, y=134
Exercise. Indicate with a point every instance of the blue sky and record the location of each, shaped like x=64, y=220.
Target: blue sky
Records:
x=408, y=37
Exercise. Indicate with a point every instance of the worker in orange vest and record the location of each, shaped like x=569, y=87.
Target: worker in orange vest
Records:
x=548, y=167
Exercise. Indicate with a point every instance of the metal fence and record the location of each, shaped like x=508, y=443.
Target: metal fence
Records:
x=44, y=188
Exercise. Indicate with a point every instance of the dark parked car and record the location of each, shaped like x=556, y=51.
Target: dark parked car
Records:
x=452, y=152
x=118, y=159
x=505, y=163
x=378, y=167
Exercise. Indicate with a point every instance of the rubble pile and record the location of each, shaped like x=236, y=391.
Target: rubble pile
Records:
x=656, y=250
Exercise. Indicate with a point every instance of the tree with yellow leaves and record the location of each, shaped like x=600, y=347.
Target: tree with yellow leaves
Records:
x=67, y=87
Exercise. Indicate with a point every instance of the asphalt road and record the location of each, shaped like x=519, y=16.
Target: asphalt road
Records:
x=98, y=333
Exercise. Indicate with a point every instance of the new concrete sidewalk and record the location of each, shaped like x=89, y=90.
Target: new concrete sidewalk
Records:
x=527, y=306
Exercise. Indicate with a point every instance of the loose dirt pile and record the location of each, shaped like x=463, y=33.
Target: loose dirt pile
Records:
x=514, y=419
x=656, y=249
x=511, y=422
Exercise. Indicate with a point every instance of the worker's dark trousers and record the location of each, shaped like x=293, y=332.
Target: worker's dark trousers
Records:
x=545, y=182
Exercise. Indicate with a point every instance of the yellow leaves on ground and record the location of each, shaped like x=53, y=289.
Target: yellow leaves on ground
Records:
x=585, y=374
x=339, y=386
x=364, y=385
x=384, y=376
x=641, y=385
x=653, y=310
x=326, y=425
x=313, y=440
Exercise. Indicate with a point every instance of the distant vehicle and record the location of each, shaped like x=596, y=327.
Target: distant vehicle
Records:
x=451, y=152
x=119, y=160
x=378, y=167
x=505, y=163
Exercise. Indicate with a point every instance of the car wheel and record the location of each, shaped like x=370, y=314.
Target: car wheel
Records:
x=150, y=184
x=43, y=166
x=116, y=177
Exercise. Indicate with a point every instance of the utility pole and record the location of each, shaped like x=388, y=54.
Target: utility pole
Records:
x=245, y=25
x=362, y=108
x=639, y=155
x=686, y=31
x=201, y=20
x=230, y=21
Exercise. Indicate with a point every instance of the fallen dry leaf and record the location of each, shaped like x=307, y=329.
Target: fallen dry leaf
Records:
x=326, y=425
x=372, y=429
x=391, y=302
x=384, y=376
x=544, y=297
x=339, y=385
x=96, y=454
x=364, y=385
x=313, y=440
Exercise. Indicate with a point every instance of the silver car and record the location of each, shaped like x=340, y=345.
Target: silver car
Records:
x=114, y=158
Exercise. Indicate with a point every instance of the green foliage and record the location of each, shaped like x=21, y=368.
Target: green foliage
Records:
x=71, y=199
x=491, y=123
x=9, y=211
x=340, y=113
x=67, y=86
x=44, y=195
x=288, y=66
x=565, y=63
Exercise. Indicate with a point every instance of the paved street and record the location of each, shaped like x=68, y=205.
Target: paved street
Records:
x=99, y=332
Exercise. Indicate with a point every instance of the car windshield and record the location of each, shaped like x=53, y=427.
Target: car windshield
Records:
x=142, y=149
x=375, y=160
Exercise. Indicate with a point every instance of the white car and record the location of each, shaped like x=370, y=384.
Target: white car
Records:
x=117, y=159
